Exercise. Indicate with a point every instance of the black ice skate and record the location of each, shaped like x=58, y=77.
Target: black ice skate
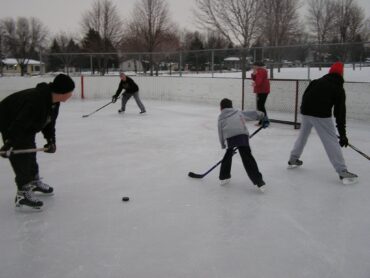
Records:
x=25, y=199
x=294, y=163
x=121, y=111
x=38, y=186
x=348, y=177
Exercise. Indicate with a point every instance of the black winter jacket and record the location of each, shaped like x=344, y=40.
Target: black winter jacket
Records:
x=25, y=113
x=129, y=85
x=324, y=94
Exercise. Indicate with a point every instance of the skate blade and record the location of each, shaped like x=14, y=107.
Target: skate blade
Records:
x=349, y=180
x=293, y=166
x=40, y=194
x=23, y=208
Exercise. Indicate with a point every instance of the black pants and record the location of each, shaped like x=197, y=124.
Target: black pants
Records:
x=261, y=100
x=25, y=165
x=250, y=164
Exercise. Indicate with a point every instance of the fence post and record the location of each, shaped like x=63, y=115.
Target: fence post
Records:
x=212, y=62
x=91, y=65
x=296, y=125
x=180, y=68
x=82, y=87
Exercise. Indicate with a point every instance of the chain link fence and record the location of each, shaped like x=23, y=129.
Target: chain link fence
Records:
x=206, y=76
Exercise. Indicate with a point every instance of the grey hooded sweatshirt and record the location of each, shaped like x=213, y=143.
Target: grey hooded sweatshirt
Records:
x=231, y=122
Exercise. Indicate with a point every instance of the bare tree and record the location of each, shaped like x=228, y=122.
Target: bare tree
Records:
x=23, y=38
x=321, y=19
x=279, y=24
x=349, y=20
x=349, y=23
x=150, y=28
x=236, y=20
x=66, y=44
x=103, y=18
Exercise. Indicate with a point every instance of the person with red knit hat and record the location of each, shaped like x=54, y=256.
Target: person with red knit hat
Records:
x=323, y=98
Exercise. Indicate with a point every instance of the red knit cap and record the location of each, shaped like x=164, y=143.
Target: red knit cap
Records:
x=337, y=68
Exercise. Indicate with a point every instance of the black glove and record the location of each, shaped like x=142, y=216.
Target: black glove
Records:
x=343, y=141
x=50, y=147
x=7, y=148
x=114, y=98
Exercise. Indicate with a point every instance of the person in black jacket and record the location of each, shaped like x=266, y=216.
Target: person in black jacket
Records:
x=131, y=89
x=22, y=115
x=319, y=99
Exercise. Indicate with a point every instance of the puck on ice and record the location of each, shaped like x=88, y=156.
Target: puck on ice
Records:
x=125, y=199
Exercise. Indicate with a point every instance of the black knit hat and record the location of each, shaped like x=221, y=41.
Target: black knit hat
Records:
x=226, y=103
x=62, y=84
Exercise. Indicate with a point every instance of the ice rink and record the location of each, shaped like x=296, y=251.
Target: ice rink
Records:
x=307, y=223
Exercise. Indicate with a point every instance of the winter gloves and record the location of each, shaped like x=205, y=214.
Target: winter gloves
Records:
x=7, y=148
x=343, y=141
x=50, y=147
x=114, y=98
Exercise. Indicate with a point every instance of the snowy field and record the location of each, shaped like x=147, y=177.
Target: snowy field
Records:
x=358, y=74
x=306, y=224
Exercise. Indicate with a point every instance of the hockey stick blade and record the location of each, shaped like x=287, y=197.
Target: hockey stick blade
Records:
x=85, y=116
x=200, y=176
x=195, y=176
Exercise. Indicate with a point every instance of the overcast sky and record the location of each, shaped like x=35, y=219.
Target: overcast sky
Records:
x=65, y=15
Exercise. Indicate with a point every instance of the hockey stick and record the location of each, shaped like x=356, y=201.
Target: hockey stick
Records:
x=200, y=176
x=360, y=152
x=85, y=116
x=24, y=151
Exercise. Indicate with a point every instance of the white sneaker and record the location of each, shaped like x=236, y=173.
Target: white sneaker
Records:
x=261, y=186
x=224, y=182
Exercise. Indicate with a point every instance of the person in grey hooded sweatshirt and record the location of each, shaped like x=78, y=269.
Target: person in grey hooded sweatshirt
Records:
x=232, y=129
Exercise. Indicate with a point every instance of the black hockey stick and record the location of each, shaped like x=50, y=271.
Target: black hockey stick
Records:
x=200, y=176
x=23, y=151
x=360, y=152
x=84, y=116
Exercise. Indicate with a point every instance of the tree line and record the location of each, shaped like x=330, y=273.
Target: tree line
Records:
x=226, y=24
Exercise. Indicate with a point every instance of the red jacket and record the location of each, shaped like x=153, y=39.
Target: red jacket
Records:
x=261, y=82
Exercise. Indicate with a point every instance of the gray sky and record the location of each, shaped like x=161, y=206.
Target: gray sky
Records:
x=65, y=15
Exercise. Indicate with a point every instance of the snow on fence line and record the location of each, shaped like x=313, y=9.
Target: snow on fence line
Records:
x=202, y=90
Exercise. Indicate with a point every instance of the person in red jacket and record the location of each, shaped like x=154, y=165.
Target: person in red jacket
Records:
x=261, y=86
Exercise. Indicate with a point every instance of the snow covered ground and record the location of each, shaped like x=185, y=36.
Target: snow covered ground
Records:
x=307, y=224
x=359, y=74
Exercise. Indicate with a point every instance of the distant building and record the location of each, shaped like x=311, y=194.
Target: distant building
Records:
x=236, y=62
x=132, y=65
x=11, y=66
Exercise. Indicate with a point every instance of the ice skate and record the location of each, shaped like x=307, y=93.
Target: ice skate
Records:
x=294, y=163
x=37, y=186
x=142, y=112
x=25, y=199
x=261, y=186
x=348, y=177
x=120, y=111
x=225, y=181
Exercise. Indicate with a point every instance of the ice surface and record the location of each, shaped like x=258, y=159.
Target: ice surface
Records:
x=307, y=223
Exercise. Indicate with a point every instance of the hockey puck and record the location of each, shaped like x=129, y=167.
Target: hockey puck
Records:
x=125, y=199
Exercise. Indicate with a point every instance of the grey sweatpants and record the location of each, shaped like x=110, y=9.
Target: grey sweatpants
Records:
x=126, y=97
x=326, y=130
